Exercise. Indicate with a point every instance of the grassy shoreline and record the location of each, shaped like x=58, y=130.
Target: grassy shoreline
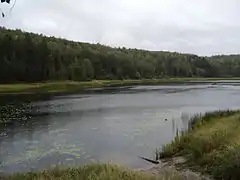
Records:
x=58, y=87
x=93, y=172
x=211, y=145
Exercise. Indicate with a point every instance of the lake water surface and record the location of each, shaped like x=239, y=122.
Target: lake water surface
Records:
x=111, y=125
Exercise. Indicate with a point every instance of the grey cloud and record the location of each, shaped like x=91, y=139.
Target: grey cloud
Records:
x=202, y=27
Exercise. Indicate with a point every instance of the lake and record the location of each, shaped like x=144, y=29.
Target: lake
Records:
x=114, y=125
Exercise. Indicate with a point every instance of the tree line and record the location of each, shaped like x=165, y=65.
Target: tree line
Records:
x=29, y=57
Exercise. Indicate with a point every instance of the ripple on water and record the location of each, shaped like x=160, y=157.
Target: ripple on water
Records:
x=58, y=131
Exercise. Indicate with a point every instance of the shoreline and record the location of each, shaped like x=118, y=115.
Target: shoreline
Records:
x=173, y=166
x=69, y=87
x=210, y=146
x=167, y=169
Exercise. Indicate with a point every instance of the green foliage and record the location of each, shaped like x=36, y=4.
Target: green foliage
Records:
x=29, y=57
x=54, y=87
x=212, y=143
x=93, y=172
x=199, y=119
x=186, y=139
x=227, y=164
x=198, y=146
x=226, y=65
x=81, y=70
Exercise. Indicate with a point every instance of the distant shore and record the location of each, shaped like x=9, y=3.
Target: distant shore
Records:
x=61, y=87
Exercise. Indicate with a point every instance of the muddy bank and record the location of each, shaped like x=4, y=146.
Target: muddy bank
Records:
x=173, y=167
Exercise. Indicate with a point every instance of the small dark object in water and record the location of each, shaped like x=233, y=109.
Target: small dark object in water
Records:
x=165, y=119
x=149, y=160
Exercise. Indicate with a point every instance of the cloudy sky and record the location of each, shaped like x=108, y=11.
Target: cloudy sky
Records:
x=202, y=27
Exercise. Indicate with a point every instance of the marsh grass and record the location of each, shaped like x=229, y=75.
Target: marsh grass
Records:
x=212, y=142
x=94, y=172
x=52, y=87
x=70, y=86
x=199, y=119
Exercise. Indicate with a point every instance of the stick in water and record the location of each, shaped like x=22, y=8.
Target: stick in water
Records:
x=149, y=160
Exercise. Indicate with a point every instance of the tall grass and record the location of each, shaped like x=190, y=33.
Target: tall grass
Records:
x=227, y=164
x=181, y=141
x=199, y=119
x=212, y=142
x=95, y=172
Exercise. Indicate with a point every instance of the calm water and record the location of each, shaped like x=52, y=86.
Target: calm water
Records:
x=107, y=125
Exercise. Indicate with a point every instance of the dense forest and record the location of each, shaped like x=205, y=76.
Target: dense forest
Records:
x=29, y=57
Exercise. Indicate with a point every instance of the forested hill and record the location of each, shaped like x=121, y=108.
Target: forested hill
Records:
x=30, y=57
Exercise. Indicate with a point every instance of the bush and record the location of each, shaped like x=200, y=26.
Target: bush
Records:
x=209, y=144
x=227, y=164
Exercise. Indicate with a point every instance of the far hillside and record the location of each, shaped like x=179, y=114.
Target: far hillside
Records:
x=28, y=57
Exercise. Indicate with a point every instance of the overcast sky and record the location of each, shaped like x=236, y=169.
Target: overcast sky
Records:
x=202, y=27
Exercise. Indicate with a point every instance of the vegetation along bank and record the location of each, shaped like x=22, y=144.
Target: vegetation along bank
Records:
x=60, y=87
x=211, y=145
x=99, y=172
